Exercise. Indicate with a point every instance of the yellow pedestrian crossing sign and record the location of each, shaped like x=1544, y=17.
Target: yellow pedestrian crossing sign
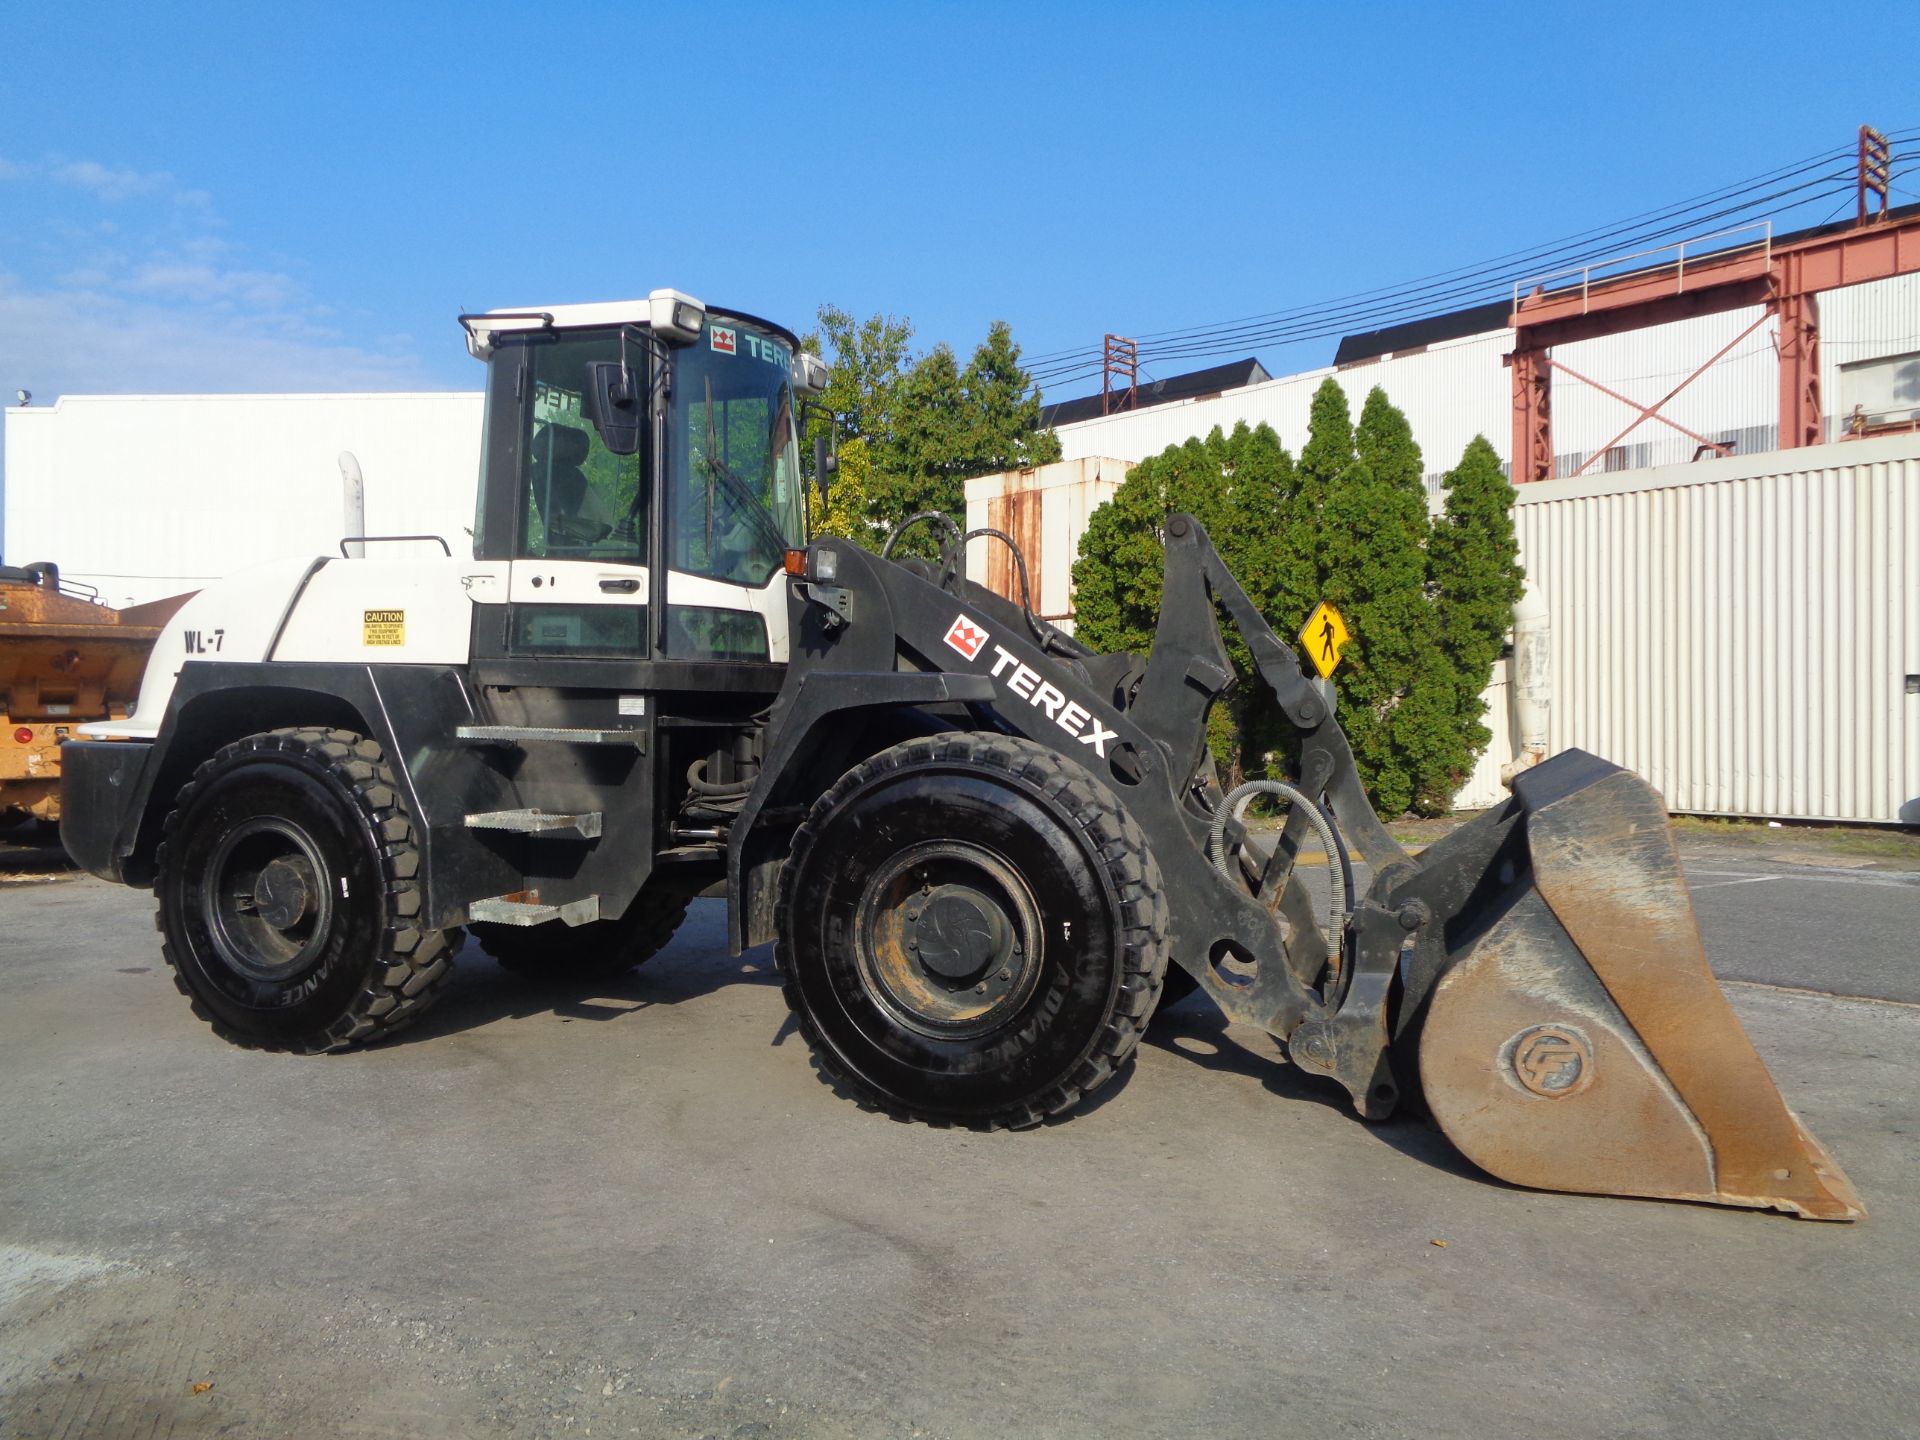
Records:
x=1324, y=635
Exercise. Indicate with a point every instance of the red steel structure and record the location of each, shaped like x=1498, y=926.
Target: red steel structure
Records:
x=1120, y=360
x=1782, y=279
x=1876, y=172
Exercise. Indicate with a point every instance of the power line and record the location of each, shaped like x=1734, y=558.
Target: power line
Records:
x=1451, y=289
x=1612, y=228
x=1485, y=282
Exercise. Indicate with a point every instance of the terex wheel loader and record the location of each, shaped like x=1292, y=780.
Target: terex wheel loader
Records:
x=976, y=844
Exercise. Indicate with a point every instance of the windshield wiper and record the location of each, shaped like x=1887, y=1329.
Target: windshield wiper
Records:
x=741, y=492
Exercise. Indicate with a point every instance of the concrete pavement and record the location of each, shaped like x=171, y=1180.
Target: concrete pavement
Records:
x=639, y=1212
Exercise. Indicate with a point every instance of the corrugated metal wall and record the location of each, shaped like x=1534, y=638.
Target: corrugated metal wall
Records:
x=1741, y=632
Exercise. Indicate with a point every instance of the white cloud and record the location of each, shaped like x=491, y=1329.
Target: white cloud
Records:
x=161, y=302
x=114, y=184
x=75, y=340
x=9, y=170
x=208, y=284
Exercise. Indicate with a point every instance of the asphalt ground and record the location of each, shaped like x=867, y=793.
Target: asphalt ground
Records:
x=637, y=1210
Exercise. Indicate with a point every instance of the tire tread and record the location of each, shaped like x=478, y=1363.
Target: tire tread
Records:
x=1141, y=914
x=415, y=963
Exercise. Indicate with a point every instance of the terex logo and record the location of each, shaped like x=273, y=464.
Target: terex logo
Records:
x=1070, y=717
x=966, y=637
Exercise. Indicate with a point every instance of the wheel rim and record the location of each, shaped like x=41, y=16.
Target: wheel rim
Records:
x=948, y=939
x=266, y=897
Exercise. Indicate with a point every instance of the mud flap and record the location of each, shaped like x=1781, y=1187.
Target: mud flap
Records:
x=1580, y=1041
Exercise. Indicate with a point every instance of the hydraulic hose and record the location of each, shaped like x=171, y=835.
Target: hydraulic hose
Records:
x=1339, y=886
x=1049, y=639
x=698, y=783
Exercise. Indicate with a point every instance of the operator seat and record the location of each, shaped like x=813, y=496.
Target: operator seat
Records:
x=558, y=452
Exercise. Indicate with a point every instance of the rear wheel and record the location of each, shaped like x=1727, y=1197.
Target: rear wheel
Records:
x=289, y=904
x=971, y=929
x=597, y=950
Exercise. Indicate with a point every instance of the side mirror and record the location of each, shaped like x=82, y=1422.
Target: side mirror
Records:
x=823, y=465
x=613, y=405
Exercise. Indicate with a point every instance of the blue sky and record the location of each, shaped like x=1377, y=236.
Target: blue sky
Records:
x=275, y=197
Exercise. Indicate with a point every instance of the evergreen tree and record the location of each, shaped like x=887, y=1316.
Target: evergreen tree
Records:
x=1327, y=453
x=1347, y=523
x=1118, y=576
x=1238, y=487
x=1477, y=579
x=1373, y=536
x=1005, y=419
x=926, y=464
x=1250, y=530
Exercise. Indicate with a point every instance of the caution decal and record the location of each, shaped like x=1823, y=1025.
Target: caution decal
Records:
x=384, y=627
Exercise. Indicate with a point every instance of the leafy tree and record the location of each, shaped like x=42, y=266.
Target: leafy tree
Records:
x=929, y=425
x=868, y=359
x=1005, y=406
x=1477, y=579
x=925, y=465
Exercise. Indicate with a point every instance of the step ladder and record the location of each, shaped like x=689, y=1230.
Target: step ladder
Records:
x=524, y=907
x=581, y=825
x=557, y=734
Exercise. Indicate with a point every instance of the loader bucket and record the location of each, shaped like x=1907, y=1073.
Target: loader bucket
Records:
x=1579, y=1042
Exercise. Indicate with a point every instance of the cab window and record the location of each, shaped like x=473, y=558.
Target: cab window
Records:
x=578, y=500
x=735, y=504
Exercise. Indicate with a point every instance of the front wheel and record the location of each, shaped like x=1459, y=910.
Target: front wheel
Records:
x=289, y=903
x=971, y=929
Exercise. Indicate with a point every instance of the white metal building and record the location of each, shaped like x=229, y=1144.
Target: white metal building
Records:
x=143, y=496
x=1454, y=388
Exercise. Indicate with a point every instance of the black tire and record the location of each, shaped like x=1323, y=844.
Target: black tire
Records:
x=971, y=929
x=289, y=902
x=598, y=950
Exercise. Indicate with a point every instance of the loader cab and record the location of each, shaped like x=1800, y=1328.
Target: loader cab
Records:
x=640, y=477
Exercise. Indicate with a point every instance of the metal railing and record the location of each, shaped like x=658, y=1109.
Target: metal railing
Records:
x=1605, y=270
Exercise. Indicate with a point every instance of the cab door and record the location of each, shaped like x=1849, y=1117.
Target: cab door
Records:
x=578, y=584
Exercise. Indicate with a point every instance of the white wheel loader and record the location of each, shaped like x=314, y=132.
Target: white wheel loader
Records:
x=976, y=845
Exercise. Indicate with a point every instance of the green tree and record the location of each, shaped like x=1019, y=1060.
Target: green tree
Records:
x=867, y=359
x=1005, y=409
x=925, y=466
x=950, y=425
x=1238, y=486
x=928, y=424
x=1323, y=459
x=1428, y=605
x=1396, y=686
x=1122, y=565
x=1477, y=579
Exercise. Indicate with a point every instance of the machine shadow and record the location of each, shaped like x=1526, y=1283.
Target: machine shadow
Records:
x=483, y=993
x=1195, y=1031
